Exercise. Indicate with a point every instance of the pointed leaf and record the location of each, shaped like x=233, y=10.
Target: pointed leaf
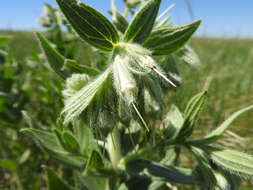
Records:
x=218, y=132
x=118, y=19
x=191, y=114
x=166, y=40
x=70, y=140
x=171, y=157
x=92, y=182
x=236, y=162
x=173, y=122
x=49, y=142
x=91, y=25
x=204, y=173
x=71, y=66
x=95, y=162
x=222, y=182
x=85, y=138
x=143, y=22
x=161, y=172
x=55, y=182
x=55, y=59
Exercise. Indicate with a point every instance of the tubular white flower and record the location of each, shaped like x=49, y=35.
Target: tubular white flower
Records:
x=123, y=80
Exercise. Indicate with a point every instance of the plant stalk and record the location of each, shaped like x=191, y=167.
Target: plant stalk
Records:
x=114, y=148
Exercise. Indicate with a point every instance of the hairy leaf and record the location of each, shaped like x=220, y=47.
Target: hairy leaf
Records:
x=85, y=138
x=173, y=122
x=203, y=172
x=55, y=59
x=71, y=66
x=143, y=22
x=49, y=142
x=91, y=25
x=191, y=114
x=166, y=40
x=236, y=162
x=218, y=132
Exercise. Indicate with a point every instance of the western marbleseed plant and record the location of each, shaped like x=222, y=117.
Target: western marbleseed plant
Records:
x=115, y=130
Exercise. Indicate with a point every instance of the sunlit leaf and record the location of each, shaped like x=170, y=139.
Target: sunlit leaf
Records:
x=55, y=59
x=143, y=22
x=219, y=131
x=91, y=25
x=236, y=162
x=166, y=40
x=49, y=142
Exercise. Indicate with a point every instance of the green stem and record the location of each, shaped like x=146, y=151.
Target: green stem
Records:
x=114, y=148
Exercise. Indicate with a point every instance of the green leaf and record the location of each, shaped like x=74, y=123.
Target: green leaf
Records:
x=49, y=142
x=95, y=162
x=191, y=114
x=91, y=25
x=203, y=172
x=9, y=164
x=166, y=40
x=163, y=22
x=119, y=21
x=24, y=157
x=143, y=22
x=70, y=140
x=5, y=40
x=236, y=162
x=72, y=67
x=156, y=185
x=173, y=122
x=85, y=138
x=9, y=71
x=218, y=132
x=55, y=59
x=170, y=174
x=171, y=157
x=161, y=172
x=222, y=182
x=55, y=182
x=91, y=182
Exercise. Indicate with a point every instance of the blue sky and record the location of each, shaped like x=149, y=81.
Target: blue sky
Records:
x=223, y=18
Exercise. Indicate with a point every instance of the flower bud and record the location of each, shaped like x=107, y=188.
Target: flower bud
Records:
x=74, y=84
